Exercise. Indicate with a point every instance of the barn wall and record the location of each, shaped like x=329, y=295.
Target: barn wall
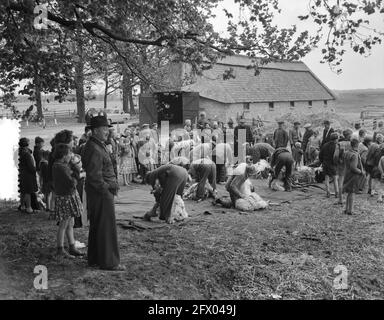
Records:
x=223, y=112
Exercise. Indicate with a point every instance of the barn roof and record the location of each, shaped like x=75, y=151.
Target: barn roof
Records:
x=277, y=81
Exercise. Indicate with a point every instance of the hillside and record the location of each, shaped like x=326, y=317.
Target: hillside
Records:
x=352, y=101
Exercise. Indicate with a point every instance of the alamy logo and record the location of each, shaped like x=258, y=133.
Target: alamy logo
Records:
x=41, y=280
x=41, y=20
x=341, y=280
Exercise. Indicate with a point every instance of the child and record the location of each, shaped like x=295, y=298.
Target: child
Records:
x=297, y=153
x=67, y=201
x=45, y=185
x=128, y=166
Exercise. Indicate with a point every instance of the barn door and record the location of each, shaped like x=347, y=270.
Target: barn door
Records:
x=148, y=109
x=190, y=105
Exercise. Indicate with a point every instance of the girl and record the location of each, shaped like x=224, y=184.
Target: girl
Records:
x=297, y=154
x=128, y=166
x=67, y=201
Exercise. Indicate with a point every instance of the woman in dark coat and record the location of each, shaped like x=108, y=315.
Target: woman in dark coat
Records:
x=27, y=176
x=172, y=180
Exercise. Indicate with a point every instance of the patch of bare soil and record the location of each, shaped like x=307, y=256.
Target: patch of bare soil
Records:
x=288, y=251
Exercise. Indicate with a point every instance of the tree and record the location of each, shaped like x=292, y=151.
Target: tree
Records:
x=40, y=57
x=180, y=30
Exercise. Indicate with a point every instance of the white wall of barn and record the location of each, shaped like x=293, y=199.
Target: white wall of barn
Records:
x=222, y=111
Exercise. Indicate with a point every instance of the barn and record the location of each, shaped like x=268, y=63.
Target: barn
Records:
x=280, y=88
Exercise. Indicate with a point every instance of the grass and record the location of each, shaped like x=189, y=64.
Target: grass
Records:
x=285, y=252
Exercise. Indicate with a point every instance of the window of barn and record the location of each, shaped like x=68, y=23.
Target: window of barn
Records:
x=271, y=106
x=246, y=105
x=310, y=103
x=325, y=103
x=292, y=104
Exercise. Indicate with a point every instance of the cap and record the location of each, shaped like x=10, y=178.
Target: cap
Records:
x=296, y=122
x=326, y=122
x=308, y=125
x=334, y=136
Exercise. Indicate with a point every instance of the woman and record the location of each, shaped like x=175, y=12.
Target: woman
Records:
x=170, y=179
x=354, y=173
x=128, y=167
x=27, y=176
x=67, y=200
x=313, y=146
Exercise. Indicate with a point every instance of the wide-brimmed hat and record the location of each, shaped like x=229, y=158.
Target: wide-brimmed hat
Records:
x=297, y=122
x=99, y=121
x=308, y=125
x=280, y=122
x=326, y=122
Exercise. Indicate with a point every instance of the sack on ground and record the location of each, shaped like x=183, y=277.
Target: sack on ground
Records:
x=251, y=203
x=178, y=211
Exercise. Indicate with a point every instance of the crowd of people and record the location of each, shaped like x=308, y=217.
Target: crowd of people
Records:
x=79, y=177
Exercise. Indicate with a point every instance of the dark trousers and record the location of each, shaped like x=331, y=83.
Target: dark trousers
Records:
x=208, y=172
x=221, y=172
x=175, y=184
x=103, y=248
x=284, y=160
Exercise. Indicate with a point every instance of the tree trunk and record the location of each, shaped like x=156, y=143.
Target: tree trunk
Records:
x=126, y=88
x=39, y=105
x=131, y=103
x=79, y=80
x=106, y=89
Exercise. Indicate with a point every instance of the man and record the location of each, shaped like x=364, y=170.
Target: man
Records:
x=203, y=170
x=380, y=130
x=375, y=151
x=229, y=133
x=343, y=146
x=248, y=136
x=326, y=157
x=222, y=156
x=217, y=132
x=295, y=134
x=202, y=121
x=260, y=151
x=101, y=186
x=280, y=136
x=282, y=158
x=307, y=134
x=327, y=132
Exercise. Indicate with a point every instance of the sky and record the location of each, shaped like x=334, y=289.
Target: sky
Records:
x=359, y=72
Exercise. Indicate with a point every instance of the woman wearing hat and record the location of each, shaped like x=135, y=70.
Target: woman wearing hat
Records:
x=27, y=176
x=326, y=157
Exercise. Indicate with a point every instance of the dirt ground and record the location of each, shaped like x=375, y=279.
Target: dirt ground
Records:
x=288, y=251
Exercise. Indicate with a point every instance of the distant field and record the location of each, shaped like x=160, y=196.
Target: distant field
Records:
x=352, y=101
x=71, y=106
